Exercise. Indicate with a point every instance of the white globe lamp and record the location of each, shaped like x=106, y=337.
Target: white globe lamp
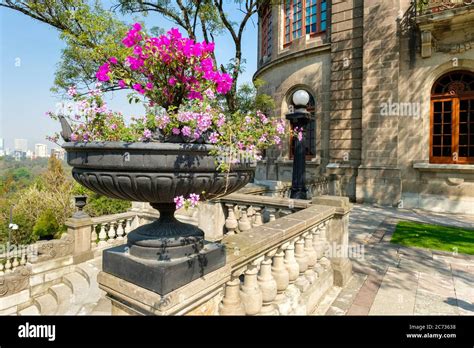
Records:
x=300, y=98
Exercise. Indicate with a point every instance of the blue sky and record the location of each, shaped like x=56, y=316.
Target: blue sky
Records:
x=29, y=53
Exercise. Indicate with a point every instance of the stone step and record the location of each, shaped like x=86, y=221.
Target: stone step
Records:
x=103, y=307
x=88, y=271
x=31, y=310
x=97, y=262
x=63, y=295
x=79, y=286
x=46, y=304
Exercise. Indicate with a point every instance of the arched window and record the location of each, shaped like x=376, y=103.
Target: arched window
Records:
x=309, y=132
x=452, y=119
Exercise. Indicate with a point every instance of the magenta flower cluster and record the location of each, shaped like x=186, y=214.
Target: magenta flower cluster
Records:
x=167, y=69
x=191, y=201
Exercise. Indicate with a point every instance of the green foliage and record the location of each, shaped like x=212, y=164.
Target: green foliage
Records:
x=93, y=35
x=99, y=205
x=249, y=100
x=43, y=201
x=47, y=226
x=452, y=239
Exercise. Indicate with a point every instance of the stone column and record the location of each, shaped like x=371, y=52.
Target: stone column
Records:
x=79, y=226
x=211, y=220
x=337, y=234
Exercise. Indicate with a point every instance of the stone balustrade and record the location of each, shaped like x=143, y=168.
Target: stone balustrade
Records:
x=11, y=260
x=284, y=266
x=113, y=229
x=244, y=212
x=433, y=6
x=316, y=187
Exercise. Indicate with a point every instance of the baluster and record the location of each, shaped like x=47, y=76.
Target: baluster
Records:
x=324, y=260
x=231, y=303
x=23, y=257
x=15, y=263
x=302, y=282
x=120, y=231
x=258, y=221
x=2, y=267
x=94, y=236
x=268, y=287
x=8, y=265
x=231, y=223
x=312, y=257
x=251, y=215
x=135, y=222
x=111, y=233
x=128, y=225
x=102, y=236
x=244, y=223
x=281, y=275
x=250, y=292
x=291, y=264
x=318, y=246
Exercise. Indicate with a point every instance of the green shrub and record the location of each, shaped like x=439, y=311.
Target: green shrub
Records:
x=47, y=226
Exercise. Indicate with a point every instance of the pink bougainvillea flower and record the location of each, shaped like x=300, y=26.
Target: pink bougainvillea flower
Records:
x=137, y=50
x=72, y=91
x=186, y=131
x=139, y=88
x=172, y=81
x=147, y=134
x=179, y=201
x=122, y=84
x=113, y=60
x=221, y=120
x=174, y=33
x=193, y=199
x=134, y=63
x=280, y=128
x=194, y=95
x=214, y=137
x=103, y=72
x=224, y=83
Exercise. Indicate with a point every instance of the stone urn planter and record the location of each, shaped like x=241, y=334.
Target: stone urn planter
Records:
x=166, y=254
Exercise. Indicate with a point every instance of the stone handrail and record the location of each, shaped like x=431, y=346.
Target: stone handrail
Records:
x=282, y=267
x=433, y=6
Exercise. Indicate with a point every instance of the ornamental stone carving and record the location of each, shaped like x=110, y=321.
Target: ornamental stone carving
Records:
x=14, y=282
x=55, y=248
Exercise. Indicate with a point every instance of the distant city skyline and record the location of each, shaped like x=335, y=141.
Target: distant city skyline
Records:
x=28, y=62
x=20, y=145
x=41, y=150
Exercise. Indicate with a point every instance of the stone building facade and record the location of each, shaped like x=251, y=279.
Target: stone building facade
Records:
x=392, y=84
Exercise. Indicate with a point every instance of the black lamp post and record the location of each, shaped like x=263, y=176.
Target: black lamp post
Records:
x=299, y=118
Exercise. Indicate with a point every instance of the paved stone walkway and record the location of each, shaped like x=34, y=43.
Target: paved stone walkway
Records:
x=396, y=280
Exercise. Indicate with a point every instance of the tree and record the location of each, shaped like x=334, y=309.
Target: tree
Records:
x=92, y=35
